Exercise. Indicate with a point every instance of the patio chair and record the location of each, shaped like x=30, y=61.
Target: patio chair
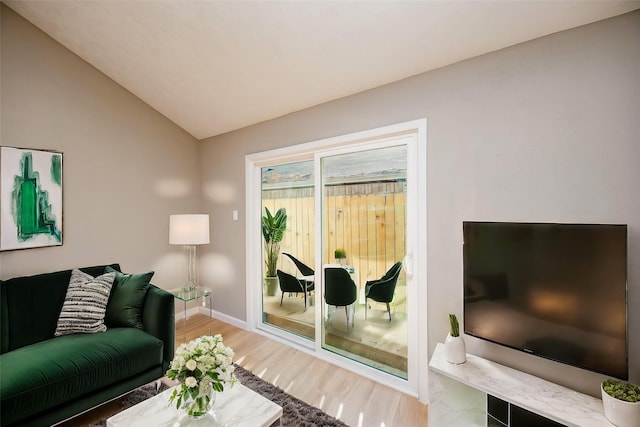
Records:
x=291, y=284
x=340, y=290
x=304, y=269
x=382, y=289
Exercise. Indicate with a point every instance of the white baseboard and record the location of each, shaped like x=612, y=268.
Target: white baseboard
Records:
x=242, y=324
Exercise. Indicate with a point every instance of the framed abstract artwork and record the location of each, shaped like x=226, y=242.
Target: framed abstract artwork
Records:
x=30, y=198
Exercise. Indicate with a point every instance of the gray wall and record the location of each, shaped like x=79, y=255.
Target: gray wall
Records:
x=125, y=166
x=543, y=131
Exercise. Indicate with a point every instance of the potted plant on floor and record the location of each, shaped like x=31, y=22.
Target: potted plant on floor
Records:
x=454, y=347
x=273, y=228
x=621, y=402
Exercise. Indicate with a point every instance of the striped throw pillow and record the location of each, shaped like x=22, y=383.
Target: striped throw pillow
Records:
x=85, y=304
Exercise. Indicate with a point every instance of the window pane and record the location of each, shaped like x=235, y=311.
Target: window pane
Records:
x=364, y=228
x=290, y=187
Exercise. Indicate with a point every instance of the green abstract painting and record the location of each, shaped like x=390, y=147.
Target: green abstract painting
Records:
x=31, y=197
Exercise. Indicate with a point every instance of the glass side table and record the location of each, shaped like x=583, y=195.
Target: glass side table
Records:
x=191, y=295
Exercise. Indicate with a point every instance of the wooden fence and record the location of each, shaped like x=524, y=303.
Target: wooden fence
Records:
x=367, y=220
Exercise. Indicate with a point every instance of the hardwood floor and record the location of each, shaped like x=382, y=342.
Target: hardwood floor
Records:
x=357, y=401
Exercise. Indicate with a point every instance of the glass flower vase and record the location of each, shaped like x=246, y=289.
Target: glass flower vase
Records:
x=196, y=408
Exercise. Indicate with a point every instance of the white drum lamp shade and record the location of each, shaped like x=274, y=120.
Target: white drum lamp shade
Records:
x=189, y=230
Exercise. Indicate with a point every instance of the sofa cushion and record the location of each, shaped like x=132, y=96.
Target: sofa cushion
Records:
x=127, y=299
x=49, y=373
x=85, y=304
x=24, y=325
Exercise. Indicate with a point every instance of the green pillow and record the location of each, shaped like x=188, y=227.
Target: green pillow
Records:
x=127, y=299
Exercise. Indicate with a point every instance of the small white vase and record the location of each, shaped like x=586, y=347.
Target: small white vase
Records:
x=455, y=350
x=619, y=412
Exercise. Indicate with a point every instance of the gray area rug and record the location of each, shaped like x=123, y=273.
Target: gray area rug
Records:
x=295, y=412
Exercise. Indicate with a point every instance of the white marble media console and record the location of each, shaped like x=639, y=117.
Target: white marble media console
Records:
x=458, y=394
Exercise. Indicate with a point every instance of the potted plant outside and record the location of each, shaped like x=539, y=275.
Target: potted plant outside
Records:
x=621, y=402
x=273, y=228
x=340, y=255
x=454, y=347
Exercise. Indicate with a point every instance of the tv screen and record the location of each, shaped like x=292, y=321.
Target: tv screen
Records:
x=557, y=291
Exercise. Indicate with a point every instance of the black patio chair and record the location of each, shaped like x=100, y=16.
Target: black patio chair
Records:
x=382, y=289
x=291, y=284
x=304, y=269
x=339, y=289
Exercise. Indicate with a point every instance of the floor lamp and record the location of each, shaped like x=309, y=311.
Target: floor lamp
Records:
x=189, y=230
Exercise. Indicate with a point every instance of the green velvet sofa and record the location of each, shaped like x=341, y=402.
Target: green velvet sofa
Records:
x=46, y=379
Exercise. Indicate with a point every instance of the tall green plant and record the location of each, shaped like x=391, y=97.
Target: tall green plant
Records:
x=273, y=227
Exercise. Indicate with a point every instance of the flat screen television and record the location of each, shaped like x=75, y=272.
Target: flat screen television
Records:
x=558, y=291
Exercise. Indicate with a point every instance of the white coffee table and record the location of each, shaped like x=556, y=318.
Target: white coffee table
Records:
x=236, y=406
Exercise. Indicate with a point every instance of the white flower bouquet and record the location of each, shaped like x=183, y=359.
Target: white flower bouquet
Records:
x=202, y=366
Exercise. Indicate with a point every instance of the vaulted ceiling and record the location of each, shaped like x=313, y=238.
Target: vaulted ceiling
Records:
x=215, y=66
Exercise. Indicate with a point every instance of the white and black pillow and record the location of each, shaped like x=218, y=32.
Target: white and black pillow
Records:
x=85, y=304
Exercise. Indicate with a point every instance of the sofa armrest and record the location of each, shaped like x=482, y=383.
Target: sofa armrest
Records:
x=158, y=317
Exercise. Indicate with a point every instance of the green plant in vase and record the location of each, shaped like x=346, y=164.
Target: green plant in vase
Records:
x=340, y=255
x=454, y=347
x=621, y=402
x=273, y=228
x=454, y=326
x=622, y=391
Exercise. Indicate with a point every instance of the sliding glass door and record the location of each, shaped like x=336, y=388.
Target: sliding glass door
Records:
x=288, y=297
x=346, y=288
x=363, y=199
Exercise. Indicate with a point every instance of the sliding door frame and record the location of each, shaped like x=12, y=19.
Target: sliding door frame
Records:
x=416, y=247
